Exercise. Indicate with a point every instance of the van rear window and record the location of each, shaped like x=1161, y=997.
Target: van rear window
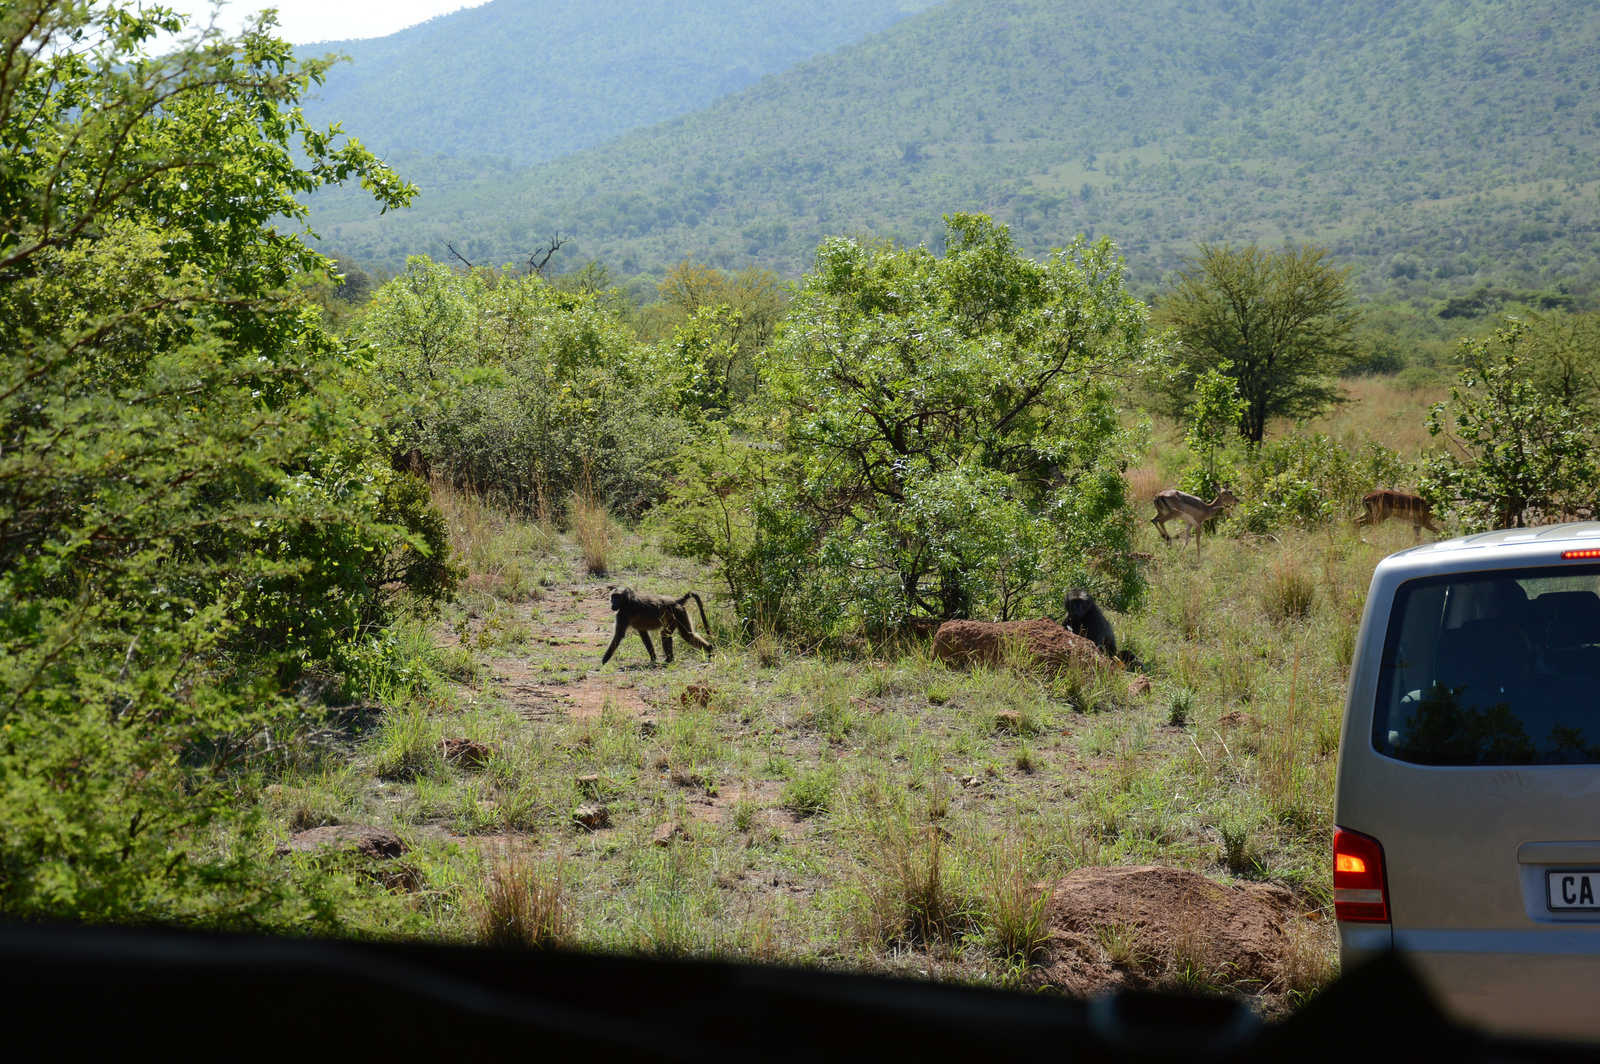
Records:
x=1498, y=668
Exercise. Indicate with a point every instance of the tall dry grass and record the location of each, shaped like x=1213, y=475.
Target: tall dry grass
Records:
x=524, y=905
x=1381, y=409
x=595, y=530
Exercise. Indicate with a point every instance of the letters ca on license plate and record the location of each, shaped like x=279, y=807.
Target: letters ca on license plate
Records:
x=1567, y=890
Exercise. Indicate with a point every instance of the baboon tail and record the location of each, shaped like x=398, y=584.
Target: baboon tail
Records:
x=705, y=625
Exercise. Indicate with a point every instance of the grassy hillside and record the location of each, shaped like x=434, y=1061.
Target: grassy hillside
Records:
x=1441, y=144
x=530, y=80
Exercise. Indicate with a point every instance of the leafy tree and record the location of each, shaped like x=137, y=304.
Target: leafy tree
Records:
x=1521, y=454
x=953, y=430
x=1213, y=419
x=734, y=316
x=1563, y=357
x=1281, y=320
x=518, y=389
x=189, y=507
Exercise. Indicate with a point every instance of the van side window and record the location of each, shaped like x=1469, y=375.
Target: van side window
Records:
x=1498, y=668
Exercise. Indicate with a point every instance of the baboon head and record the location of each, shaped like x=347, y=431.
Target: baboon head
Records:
x=1079, y=603
x=619, y=595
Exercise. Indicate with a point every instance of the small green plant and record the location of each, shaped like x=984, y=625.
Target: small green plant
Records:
x=744, y=813
x=407, y=746
x=1122, y=945
x=811, y=793
x=767, y=649
x=835, y=720
x=1180, y=708
x=1014, y=908
x=938, y=694
x=1027, y=760
x=1234, y=831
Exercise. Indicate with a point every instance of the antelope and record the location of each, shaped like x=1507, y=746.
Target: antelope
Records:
x=1378, y=506
x=1191, y=508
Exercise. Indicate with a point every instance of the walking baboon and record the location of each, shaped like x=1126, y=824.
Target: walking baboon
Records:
x=648, y=613
x=1085, y=618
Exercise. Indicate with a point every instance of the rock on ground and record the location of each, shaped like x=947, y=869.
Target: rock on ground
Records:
x=1046, y=643
x=1147, y=926
x=368, y=841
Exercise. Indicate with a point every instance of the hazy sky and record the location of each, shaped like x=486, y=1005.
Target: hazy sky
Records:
x=305, y=21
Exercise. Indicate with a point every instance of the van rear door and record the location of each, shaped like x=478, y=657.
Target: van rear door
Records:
x=1480, y=778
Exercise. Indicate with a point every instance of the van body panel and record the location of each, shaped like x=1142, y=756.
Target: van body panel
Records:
x=1521, y=992
x=1467, y=847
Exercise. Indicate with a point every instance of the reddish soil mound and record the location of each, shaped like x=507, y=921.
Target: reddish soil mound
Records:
x=1052, y=647
x=369, y=842
x=1142, y=927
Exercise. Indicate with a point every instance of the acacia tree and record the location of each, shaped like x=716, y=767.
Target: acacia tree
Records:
x=951, y=424
x=1281, y=319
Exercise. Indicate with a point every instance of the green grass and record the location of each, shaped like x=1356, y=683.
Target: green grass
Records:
x=884, y=814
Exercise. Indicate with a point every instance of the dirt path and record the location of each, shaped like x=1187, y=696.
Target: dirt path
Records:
x=560, y=671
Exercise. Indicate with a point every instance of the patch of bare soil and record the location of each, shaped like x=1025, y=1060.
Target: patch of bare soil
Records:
x=1146, y=926
x=578, y=629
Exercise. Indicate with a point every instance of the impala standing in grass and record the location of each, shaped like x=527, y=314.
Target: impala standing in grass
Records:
x=1196, y=511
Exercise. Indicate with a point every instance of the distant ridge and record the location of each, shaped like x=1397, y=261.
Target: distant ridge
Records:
x=531, y=80
x=1438, y=144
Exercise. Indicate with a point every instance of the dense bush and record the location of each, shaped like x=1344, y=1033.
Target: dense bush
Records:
x=1522, y=455
x=1309, y=478
x=521, y=391
x=948, y=441
x=189, y=509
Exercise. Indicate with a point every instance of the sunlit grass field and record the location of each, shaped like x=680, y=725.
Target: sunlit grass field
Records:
x=879, y=813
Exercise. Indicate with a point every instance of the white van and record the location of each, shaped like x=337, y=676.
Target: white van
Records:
x=1467, y=804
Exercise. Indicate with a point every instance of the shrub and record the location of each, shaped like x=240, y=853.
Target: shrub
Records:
x=518, y=390
x=524, y=906
x=592, y=527
x=811, y=793
x=957, y=482
x=1181, y=707
x=1308, y=479
x=1290, y=592
x=1529, y=453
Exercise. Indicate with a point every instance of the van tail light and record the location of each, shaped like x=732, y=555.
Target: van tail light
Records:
x=1360, y=891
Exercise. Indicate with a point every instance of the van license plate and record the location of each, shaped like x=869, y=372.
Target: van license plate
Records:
x=1566, y=891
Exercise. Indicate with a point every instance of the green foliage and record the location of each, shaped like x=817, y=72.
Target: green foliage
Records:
x=1279, y=320
x=718, y=324
x=1522, y=455
x=812, y=793
x=189, y=510
x=1212, y=415
x=1563, y=352
x=1307, y=479
x=951, y=423
x=733, y=506
x=522, y=391
x=1440, y=146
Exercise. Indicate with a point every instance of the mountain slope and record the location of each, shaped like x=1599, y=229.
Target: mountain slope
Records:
x=532, y=80
x=1437, y=142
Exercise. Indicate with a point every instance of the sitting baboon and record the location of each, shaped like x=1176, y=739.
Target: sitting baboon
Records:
x=1085, y=618
x=648, y=613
